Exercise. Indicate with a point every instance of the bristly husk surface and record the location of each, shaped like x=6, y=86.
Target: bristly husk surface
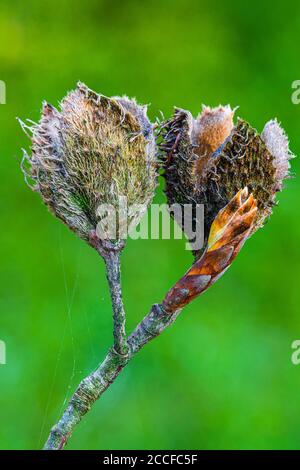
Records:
x=92, y=151
x=212, y=179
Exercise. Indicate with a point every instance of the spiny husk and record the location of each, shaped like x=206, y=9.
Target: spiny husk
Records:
x=213, y=178
x=90, y=152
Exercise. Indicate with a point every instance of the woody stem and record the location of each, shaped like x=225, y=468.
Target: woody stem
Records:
x=113, y=273
x=93, y=386
x=229, y=231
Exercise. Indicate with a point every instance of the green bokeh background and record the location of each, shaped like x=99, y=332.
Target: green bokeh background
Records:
x=222, y=376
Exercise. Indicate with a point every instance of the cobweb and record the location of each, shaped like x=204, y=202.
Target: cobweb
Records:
x=67, y=330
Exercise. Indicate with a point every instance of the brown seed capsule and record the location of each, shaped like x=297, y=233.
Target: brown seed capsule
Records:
x=208, y=160
x=91, y=152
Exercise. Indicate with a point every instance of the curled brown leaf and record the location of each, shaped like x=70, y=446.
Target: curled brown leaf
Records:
x=229, y=231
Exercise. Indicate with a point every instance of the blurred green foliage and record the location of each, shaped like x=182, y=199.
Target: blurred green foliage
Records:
x=221, y=377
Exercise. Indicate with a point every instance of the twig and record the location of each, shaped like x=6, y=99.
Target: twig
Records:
x=110, y=252
x=229, y=231
x=92, y=387
x=113, y=273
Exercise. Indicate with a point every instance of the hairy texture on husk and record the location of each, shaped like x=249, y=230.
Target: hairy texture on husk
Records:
x=277, y=143
x=243, y=159
x=90, y=152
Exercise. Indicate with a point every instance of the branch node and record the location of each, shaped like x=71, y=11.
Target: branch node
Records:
x=119, y=354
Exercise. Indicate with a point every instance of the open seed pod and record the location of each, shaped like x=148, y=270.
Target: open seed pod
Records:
x=90, y=153
x=207, y=160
